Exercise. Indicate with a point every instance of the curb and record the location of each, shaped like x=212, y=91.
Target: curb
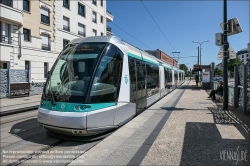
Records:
x=19, y=110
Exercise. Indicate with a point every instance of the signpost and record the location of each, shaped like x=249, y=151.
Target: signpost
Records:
x=232, y=54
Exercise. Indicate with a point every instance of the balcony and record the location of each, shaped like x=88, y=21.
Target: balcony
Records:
x=109, y=16
x=66, y=28
x=9, y=13
x=46, y=47
x=6, y=39
x=81, y=33
x=45, y=19
x=109, y=30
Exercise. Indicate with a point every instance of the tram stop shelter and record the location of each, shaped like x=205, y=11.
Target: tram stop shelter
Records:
x=206, y=74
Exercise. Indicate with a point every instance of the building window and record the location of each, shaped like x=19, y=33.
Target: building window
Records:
x=27, y=65
x=101, y=19
x=7, y=2
x=7, y=37
x=26, y=34
x=45, y=42
x=94, y=17
x=45, y=69
x=247, y=55
x=26, y=5
x=81, y=9
x=94, y=2
x=81, y=29
x=101, y=2
x=66, y=24
x=94, y=32
x=65, y=42
x=242, y=56
x=5, y=66
x=45, y=16
x=66, y=4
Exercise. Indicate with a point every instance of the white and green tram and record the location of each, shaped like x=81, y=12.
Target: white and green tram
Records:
x=99, y=83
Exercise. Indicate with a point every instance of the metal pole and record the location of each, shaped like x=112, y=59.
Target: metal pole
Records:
x=236, y=88
x=245, y=69
x=198, y=63
x=225, y=58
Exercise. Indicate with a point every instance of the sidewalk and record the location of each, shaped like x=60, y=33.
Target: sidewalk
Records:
x=17, y=104
x=184, y=128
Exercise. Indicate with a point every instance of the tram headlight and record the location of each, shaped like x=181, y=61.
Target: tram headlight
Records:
x=77, y=107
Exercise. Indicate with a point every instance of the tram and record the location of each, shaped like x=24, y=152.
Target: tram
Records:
x=99, y=83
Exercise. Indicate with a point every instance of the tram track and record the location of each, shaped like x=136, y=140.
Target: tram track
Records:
x=21, y=135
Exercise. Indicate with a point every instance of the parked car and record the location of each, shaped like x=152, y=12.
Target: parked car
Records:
x=217, y=79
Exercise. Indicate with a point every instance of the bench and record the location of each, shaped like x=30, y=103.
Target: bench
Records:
x=19, y=89
x=219, y=96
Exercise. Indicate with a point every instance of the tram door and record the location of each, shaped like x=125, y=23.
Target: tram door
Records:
x=141, y=97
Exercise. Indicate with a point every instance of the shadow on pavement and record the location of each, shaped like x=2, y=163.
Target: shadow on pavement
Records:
x=204, y=145
x=31, y=131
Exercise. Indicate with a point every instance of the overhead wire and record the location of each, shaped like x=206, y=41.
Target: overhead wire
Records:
x=117, y=26
x=130, y=35
x=157, y=25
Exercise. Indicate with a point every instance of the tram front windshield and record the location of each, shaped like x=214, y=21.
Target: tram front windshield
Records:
x=71, y=75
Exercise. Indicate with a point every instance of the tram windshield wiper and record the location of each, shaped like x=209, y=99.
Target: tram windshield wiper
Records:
x=52, y=99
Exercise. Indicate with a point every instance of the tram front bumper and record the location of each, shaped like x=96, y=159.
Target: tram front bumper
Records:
x=63, y=122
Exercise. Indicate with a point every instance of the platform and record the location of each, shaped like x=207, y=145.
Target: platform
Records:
x=184, y=128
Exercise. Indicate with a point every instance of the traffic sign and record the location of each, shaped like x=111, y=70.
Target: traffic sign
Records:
x=220, y=54
x=232, y=54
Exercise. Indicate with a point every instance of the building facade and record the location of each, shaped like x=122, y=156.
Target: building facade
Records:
x=163, y=56
x=33, y=33
x=244, y=54
x=79, y=18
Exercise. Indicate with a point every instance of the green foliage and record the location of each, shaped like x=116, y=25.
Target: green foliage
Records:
x=217, y=71
x=184, y=68
x=234, y=62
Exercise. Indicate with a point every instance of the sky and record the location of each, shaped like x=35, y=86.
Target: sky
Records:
x=181, y=22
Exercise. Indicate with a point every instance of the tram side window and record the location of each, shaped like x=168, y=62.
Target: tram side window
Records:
x=152, y=79
x=176, y=77
x=168, y=79
x=106, y=85
x=132, y=71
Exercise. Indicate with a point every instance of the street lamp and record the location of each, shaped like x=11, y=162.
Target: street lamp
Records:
x=200, y=47
x=200, y=54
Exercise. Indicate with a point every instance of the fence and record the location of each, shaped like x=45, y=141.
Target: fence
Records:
x=8, y=76
x=239, y=93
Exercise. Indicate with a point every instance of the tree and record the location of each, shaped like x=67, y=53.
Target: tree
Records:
x=217, y=71
x=184, y=68
x=234, y=62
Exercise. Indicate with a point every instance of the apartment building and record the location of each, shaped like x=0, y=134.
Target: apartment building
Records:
x=33, y=33
x=244, y=54
x=11, y=21
x=80, y=19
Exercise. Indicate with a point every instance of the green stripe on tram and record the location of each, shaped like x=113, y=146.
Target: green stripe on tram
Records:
x=72, y=107
x=140, y=58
